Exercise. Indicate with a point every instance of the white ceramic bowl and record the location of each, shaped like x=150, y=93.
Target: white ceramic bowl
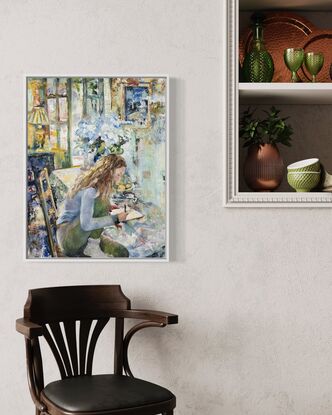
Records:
x=305, y=165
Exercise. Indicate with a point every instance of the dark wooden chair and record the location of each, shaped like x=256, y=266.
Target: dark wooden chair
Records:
x=54, y=313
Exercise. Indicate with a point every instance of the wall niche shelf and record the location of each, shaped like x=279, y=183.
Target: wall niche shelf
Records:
x=310, y=107
x=298, y=5
x=285, y=93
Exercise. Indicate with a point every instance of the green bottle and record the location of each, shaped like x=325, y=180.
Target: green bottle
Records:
x=258, y=63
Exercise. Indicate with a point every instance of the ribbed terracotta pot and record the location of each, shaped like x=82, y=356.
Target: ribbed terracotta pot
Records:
x=263, y=167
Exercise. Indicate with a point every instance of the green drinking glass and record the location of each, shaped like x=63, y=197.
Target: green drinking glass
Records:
x=314, y=62
x=293, y=58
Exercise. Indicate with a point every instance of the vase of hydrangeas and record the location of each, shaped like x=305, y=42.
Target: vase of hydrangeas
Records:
x=99, y=136
x=263, y=166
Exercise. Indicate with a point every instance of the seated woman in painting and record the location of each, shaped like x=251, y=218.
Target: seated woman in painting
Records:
x=87, y=206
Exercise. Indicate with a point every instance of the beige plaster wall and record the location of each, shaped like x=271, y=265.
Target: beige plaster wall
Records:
x=252, y=286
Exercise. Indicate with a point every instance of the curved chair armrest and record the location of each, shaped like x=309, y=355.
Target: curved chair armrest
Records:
x=150, y=315
x=156, y=319
x=41, y=407
x=28, y=328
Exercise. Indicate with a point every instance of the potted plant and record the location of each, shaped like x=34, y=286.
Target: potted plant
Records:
x=264, y=167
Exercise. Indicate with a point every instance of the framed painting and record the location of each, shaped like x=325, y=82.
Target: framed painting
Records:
x=96, y=186
x=136, y=105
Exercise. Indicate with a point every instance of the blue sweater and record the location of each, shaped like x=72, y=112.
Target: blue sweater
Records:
x=82, y=206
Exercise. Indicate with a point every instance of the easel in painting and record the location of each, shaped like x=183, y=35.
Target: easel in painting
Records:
x=49, y=210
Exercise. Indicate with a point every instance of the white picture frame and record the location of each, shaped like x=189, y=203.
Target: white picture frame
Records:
x=163, y=259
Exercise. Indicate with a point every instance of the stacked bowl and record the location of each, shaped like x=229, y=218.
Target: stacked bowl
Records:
x=304, y=175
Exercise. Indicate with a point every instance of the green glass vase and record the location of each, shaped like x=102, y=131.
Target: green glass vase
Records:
x=258, y=63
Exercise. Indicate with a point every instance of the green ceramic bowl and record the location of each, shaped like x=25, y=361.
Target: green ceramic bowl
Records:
x=305, y=165
x=303, y=181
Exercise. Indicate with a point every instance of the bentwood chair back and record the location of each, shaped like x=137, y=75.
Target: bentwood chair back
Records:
x=71, y=319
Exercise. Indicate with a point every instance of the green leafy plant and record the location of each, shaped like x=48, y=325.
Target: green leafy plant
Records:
x=270, y=130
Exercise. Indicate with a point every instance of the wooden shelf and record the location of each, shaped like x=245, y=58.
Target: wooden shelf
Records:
x=285, y=93
x=317, y=5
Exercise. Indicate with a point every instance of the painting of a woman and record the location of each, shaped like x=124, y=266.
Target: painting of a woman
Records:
x=98, y=187
x=87, y=205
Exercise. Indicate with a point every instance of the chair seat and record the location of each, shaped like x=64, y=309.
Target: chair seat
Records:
x=103, y=393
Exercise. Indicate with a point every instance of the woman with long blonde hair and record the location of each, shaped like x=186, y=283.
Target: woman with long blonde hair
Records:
x=86, y=207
